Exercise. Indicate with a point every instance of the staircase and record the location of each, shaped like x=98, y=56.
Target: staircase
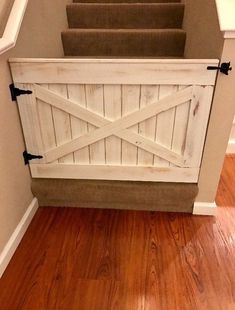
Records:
x=121, y=28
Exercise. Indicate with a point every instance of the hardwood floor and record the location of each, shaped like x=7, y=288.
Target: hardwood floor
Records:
x=88, y=259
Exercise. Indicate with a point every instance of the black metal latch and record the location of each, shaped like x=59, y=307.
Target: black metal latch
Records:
x=224, y=68
x=15, y=92
x=27, y=157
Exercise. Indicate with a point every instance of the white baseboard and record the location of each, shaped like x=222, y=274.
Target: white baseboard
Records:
x=204, y=208
x=17, y=235
x=231, y=147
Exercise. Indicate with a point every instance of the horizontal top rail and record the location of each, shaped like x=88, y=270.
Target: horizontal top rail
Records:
x=13, y=25
x=114, y=71
x=226, y=15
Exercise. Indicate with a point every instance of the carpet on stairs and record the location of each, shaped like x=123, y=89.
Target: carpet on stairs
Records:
x=124, y=42
x=125, y=29
x=125, y=15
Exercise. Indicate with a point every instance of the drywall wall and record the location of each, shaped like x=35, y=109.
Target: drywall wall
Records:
x=39, y=37
x=40, y=34
x=204, y=38
x=15, y=194
x=219, y=129
x=5, y=8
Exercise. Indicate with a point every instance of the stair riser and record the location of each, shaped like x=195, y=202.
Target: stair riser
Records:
x=174, y=197
x=126, y=16
x=118, y=43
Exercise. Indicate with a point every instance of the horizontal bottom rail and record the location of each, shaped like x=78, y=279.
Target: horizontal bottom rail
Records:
x=105, y=172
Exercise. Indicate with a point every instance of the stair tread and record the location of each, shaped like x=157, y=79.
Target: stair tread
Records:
x=91, y=4
x=124, y=57
x=127, y=1
x=127, y=15
x=124, y=30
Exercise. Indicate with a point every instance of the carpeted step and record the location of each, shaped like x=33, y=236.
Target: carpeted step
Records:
x=124, y=42
x=127, y=1
x=174, y=197
x=125, y=16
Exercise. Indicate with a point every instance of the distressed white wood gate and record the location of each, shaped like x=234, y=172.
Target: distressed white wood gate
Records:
x=140, y=120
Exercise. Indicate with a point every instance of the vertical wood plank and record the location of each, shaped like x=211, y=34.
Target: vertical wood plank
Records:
x=149, y=95
x=95, y=103
x=165, y=124
x=113, y=111
x=197, y=125
x=78, y=126
x=180, y=126
x=30, y=122
x=46, y=124
x=62, y=122
x=130, y=103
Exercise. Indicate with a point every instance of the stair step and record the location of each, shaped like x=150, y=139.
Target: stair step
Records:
x=174, y=197
x=123, y=42
x=127, y=1
x=125, y=16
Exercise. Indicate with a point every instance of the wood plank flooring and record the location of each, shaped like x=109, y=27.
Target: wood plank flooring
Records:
x=88, y=259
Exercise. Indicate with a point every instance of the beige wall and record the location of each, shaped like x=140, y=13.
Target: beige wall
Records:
x=5, y=8
x=204, y=39
x=40, y=34
x=15, y=194
x=39, y=37
x=219, y=128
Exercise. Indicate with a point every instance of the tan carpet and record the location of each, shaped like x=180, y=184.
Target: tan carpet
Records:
x=125, y=15
x=127, y=1
x=123, y=42
x=124, y=29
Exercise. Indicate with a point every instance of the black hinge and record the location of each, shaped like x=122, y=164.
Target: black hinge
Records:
x=15, y=92
x=224, y=68
x=27, y=157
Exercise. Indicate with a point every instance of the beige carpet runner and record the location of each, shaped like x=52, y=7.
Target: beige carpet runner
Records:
x=125, y=29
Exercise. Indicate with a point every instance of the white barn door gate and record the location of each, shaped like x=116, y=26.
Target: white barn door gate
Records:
x=111, y=119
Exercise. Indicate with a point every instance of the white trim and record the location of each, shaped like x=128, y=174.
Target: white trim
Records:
x=13, y=25
x=231, y=143
x=17, y=235
x=231, y=147
x=204, y=208
x=229, y=34
x=226, y=15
